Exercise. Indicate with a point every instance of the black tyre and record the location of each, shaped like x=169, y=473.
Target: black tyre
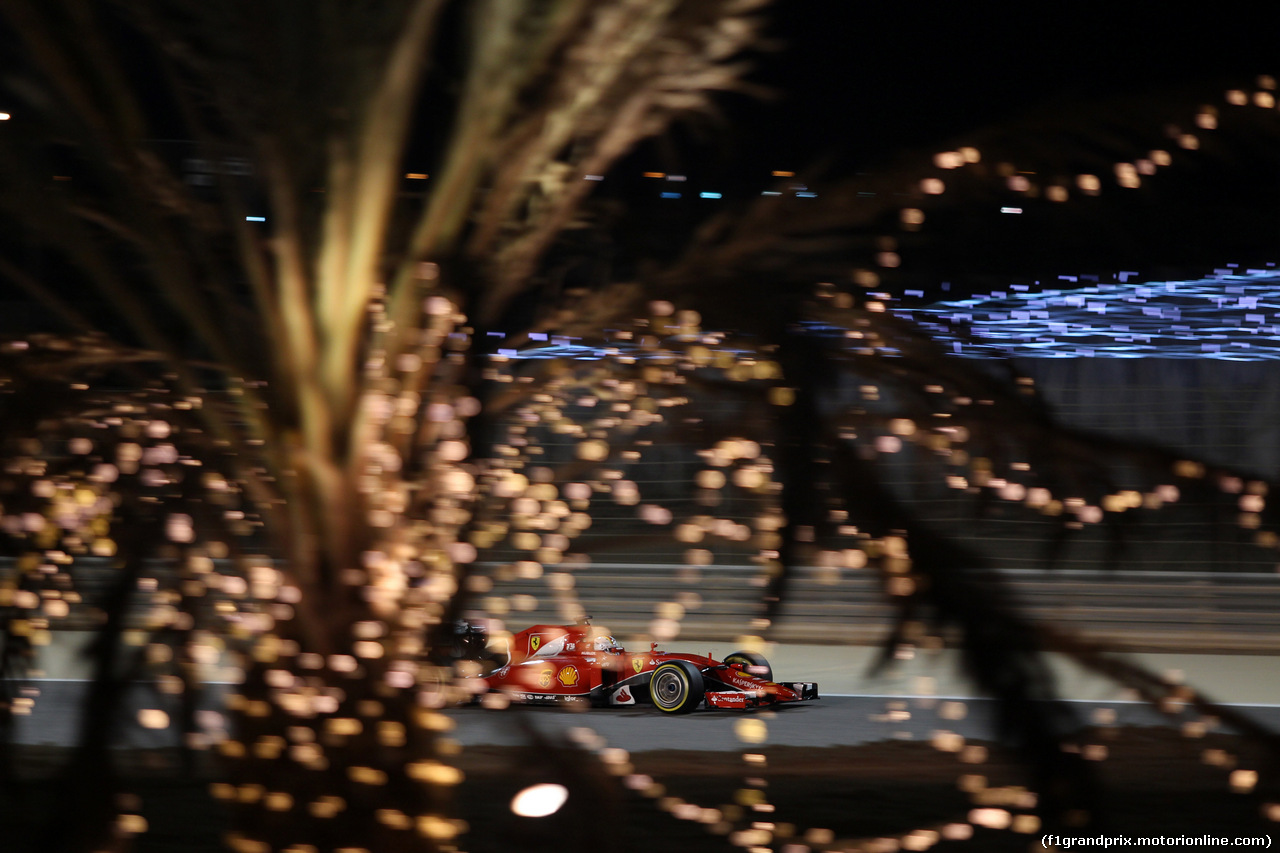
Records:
x=753, y=663
x=676, y=687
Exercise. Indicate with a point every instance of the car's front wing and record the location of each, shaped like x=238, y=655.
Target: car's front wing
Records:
x=773, y=694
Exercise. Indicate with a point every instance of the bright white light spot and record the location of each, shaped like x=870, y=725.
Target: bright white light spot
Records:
x=1090, y=514
x=664, y=629
x=539, y=800
x=888, y=444
x=255, y=219
x=1127, y=175
x=1243, y=781
x=453, y=451
x=153, y=718
x=593, y=450
x=991, y=818
x=948, y=160
x=462, y=552
x=1010, y=210
x=179, y=528
x=751, y=730
x=457, y=481
x=437, y=306
x=593, y=177
x=708, y=479
x=655, y=514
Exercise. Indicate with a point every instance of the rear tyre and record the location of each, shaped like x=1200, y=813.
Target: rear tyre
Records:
x=753, y=663
x=676, y=687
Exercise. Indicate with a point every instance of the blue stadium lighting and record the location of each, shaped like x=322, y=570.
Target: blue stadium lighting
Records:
x=255, y=219
x=806, y=195
x=709, y=195
x=671, y=195
x=1230, y=316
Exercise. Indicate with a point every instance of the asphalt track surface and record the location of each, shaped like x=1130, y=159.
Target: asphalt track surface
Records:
x=861, y=704
x=831, y=721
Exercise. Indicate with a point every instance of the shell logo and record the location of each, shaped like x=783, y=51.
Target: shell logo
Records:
x=568, y=676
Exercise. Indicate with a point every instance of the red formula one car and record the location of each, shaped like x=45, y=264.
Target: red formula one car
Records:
x=551, y=664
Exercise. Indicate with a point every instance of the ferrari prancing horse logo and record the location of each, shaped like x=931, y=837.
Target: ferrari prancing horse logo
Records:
x=637, y=664
x=568, y=676
x=534, y=642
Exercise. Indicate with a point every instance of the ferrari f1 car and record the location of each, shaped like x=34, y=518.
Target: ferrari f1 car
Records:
x=551, y=664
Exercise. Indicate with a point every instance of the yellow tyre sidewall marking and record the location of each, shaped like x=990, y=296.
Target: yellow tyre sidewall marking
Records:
x=684, y=678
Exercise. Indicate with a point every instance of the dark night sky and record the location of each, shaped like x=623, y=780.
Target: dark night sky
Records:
x=869, y=77
x=860, y=84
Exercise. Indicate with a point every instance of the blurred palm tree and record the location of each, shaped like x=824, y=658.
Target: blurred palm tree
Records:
x=304, y=330
x=295, y=360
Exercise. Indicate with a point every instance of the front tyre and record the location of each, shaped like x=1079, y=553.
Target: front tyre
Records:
x=676, y=687
x=754, y=664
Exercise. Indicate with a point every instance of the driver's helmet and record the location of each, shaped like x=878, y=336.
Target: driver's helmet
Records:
x=605, y=643
x=469, y=639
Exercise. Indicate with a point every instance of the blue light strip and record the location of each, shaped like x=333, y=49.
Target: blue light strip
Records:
x=1231, y=316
